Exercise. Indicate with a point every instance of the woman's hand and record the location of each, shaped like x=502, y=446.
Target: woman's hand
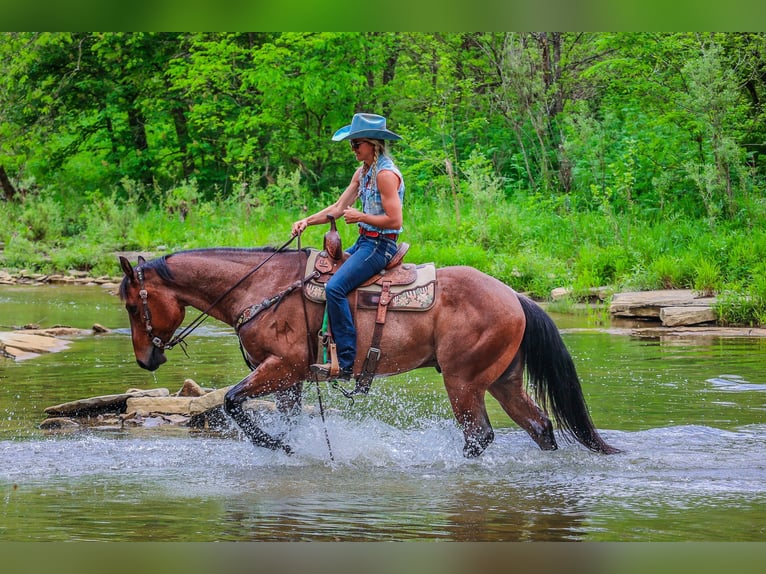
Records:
x=352, y=215
x=299, y=226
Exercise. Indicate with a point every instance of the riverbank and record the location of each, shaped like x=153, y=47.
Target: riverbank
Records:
x=72, y=277
x=28, y=343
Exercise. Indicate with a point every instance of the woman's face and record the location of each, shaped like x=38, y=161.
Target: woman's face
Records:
x=363, y=149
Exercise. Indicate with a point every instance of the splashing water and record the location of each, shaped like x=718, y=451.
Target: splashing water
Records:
x=693, y=466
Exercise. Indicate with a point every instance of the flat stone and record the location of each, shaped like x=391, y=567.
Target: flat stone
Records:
x=59, y=331
x=145, y=406
x=648, y=304
x=675, y=316
x=208, y=401
x=259, y=405
x=176, y=420
x=96, y=405
x=594, y=293
x=695, y=331
x=32, y=342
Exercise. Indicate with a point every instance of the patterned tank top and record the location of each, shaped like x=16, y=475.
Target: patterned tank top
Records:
x=370, y=195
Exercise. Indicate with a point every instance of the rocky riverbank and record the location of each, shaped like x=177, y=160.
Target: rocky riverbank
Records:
x=72, y=277
x=650, y=314
x=30, y=342
x=191, y=407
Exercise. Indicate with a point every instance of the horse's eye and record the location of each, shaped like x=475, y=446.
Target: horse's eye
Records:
x=132, y=309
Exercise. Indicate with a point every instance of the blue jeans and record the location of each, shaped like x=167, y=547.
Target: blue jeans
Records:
x=368, y=256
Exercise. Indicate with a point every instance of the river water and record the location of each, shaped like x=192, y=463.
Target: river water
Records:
x=690, y=415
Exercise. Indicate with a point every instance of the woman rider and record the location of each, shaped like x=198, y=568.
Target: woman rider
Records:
x=379, y=185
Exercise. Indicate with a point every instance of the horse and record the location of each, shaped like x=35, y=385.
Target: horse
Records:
x=480, y=334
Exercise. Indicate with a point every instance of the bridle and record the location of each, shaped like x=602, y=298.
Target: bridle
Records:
x=179, y=338
x=147, y=316
x=267, y=303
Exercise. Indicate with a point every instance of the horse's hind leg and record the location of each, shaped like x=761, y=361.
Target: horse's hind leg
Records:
x=509, y=392
x=471, y=414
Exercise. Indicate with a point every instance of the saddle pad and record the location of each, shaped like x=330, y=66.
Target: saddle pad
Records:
x=415, y=296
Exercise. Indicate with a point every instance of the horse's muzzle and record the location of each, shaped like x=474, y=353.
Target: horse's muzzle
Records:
x=156, y=358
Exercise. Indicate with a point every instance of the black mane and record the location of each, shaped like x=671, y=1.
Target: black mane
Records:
x=160, y=264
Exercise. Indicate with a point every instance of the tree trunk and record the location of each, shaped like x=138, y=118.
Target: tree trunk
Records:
x=182, y=134
x=137, y=124
x=9, y=192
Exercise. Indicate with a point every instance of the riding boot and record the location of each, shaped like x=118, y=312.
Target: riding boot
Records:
x=330, y=372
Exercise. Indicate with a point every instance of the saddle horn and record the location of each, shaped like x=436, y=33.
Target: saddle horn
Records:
x=332, y=242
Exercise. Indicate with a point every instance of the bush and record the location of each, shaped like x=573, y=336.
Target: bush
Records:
x=42, y=219
x=21, y=253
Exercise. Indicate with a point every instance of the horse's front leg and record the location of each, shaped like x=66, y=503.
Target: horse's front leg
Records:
x=290, y=401
x=270, y=377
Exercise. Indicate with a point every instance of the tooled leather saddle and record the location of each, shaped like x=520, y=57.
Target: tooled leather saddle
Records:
x=400, y=286
x=410, y=287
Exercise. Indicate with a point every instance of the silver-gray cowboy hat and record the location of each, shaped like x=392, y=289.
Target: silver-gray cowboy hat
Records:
x=370, y=126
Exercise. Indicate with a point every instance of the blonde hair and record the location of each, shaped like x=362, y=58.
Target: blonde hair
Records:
x=379, y=148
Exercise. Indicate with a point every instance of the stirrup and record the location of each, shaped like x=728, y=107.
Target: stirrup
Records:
x=330, y=372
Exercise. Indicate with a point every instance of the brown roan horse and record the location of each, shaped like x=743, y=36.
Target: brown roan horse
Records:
x=480, y=334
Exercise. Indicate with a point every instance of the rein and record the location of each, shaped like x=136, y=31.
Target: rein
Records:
x=248, y=314
x=186, y=331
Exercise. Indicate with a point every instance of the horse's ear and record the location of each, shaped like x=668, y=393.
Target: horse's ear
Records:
x=127, y=268
x=141, y=260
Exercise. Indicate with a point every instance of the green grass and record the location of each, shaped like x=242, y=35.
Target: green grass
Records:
x=533, y=246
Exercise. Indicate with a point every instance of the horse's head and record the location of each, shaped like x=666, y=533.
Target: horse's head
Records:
x=155, y=313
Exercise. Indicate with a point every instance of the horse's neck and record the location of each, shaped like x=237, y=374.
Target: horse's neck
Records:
x=203, y=282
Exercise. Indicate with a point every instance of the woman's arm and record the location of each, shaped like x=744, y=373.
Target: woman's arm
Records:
x=388, y=185
x=346, y=199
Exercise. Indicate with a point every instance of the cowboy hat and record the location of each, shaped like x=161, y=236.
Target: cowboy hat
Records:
x=365, y=126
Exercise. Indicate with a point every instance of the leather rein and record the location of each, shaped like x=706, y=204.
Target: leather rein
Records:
x=186, y=331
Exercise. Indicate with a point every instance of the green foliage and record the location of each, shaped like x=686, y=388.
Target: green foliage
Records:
x=42, y=219
x=707, y=277
x=21, y=253
x=182, y=199
x=545, y=159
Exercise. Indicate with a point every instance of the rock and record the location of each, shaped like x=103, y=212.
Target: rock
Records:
x=107, y=403
x=154, y=408
x=208, y=401
x=97, y=328
x=56, y=331
x=176, y=420
x=78, y=274
x=191, y=389
x=59, y=423
x=33, y=343
x=146, y=406
x=594, y=294
x=698, y=332
x=679, y=316
x=4, y=352
x=648, y=304
x=560, y=293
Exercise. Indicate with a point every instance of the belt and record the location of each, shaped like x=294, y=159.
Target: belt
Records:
x=368, y=233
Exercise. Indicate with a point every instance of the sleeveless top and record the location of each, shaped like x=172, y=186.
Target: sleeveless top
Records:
x=370, y=195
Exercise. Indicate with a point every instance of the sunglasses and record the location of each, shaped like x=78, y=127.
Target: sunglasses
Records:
x=356, y=143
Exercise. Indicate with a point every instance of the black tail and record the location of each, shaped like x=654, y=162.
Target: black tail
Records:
x=552, y=375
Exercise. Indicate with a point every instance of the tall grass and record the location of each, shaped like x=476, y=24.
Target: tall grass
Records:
x=533, y=243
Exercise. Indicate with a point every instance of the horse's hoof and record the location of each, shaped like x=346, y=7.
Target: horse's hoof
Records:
x=472, y=451
x=476, y=446
x=547, y=442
